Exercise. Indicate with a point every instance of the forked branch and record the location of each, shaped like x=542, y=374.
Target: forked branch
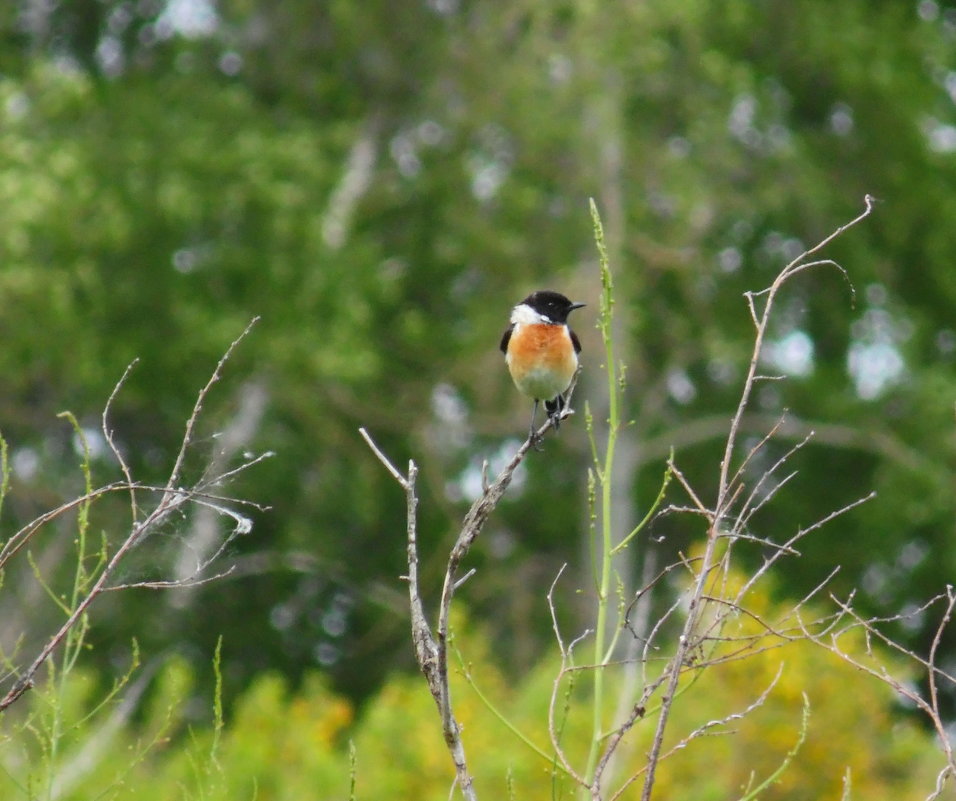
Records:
x=172, y=497
x=727, y=493
x=431, y=647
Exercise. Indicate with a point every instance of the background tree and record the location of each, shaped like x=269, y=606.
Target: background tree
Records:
x=381, y=184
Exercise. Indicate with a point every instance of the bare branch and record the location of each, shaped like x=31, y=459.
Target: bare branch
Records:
x=174, y=475
x=829, y=638
x=787, y=547
x=672, y=466
x=171, y=584
x=21, y=537
x=554, y=615
x=728, y=489
x=108, y=434
x=431, y=650
x=464, y=578
x=796, y=266
x=758, y=447
x=171, y=499
x=384, y=459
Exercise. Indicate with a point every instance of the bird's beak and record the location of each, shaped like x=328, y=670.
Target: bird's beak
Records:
x=577, y=305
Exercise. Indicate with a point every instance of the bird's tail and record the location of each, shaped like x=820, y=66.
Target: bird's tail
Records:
x=554, y=409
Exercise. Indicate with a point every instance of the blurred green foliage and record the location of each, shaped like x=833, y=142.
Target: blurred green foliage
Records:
x=381, y=182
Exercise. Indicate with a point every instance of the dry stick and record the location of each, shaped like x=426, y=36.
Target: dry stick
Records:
x=931, y=659
x=724, y=496
x=170, y=502
x=829, y=638
x=870, y=628
x=426, y=648
x=705, y=729
x=554, y=615
x=204, y=543
x=637, y=712
x=172, y=499
x=566, y=653
x=714, y=426
x=761, y=325
x=197, y=407
x=108, y=434
x=431, y=650
x=739, y=473
x=743, y=517
x=18, y=540
x=800, y=534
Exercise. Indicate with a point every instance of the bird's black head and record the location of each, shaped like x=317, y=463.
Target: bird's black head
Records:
x=552, y=305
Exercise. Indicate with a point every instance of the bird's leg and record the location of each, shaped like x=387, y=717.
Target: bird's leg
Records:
x=532, y=434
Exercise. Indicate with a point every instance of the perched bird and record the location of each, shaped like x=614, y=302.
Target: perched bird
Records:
x=541, y=351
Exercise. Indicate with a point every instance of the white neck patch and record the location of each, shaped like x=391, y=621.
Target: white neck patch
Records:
x=523, y=314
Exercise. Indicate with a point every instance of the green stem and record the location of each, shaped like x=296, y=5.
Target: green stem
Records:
x=76, y=636
x=604, y=476
x=503, y=719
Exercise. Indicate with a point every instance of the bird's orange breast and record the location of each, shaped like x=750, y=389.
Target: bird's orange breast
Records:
x=541, y=359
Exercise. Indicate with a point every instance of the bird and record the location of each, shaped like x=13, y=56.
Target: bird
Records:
x=541, y=351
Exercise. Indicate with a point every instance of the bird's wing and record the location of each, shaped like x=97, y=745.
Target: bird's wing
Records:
x=575, y=341
x=506, y=338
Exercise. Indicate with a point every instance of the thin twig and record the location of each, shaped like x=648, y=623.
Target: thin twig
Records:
x=761, y=323
x=171, y=500
x=174, y=474
x=108, y=434
x=727, y=494
x=403, y=482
